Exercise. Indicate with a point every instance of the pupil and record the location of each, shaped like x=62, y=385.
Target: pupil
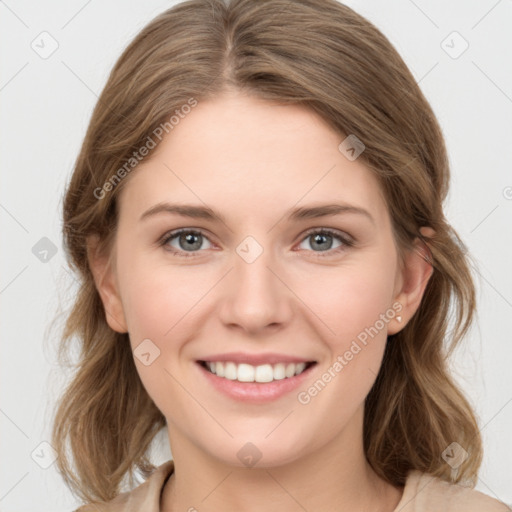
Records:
x=189, y=238
x=320, y=237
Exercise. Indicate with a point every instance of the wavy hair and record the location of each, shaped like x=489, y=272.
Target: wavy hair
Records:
x=316, y=53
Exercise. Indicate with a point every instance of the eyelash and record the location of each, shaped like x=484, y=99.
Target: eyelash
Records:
x=321, y=254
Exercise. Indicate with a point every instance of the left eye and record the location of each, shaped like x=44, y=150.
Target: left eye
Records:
x=322, y=239
x=190, y=241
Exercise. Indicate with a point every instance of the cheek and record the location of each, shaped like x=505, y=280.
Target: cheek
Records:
x=158, y=303
x=352, y=304
x=352, y=297
x=157, y=296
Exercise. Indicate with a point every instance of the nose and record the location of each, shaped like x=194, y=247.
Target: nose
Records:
x=256, y=297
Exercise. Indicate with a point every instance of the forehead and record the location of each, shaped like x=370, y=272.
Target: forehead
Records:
x=246, y=155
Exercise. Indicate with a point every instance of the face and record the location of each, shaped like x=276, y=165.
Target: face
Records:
x=256, y=280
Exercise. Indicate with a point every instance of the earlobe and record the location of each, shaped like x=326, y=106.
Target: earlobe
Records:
x=415, y=275
x=103, y=271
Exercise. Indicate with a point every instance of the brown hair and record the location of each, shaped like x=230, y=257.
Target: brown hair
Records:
x=321, y=54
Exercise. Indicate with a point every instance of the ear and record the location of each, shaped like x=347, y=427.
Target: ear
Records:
x=412, y=280
x=103, y=269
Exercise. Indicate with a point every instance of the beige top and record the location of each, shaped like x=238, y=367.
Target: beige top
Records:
x=422, y=493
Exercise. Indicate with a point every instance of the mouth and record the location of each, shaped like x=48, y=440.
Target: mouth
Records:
x=259, y=384
x=263, y=373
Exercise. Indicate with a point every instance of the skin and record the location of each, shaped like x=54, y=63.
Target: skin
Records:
x=252, y=161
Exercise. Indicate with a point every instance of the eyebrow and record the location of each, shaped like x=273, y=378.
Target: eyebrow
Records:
x=301, y=213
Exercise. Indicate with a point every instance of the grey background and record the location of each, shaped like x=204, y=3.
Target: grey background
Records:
x=46, y=104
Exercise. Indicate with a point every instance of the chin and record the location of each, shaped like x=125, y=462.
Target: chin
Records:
x=258, y=452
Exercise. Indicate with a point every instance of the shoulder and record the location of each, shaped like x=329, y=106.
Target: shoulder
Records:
x=144, y=497
x=426, y=493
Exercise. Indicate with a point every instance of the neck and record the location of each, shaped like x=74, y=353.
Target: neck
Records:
x=335, y=477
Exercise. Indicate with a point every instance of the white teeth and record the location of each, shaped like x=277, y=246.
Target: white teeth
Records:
x=279, y=371
x=248, y=373
x=290, y=370
x=218, y=368
x=300, y=368
x=264, y=373
x=229, y=371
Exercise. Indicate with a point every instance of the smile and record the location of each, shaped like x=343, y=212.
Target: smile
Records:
x=244, y=372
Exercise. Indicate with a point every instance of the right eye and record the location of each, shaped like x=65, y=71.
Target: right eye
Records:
x=188, y=240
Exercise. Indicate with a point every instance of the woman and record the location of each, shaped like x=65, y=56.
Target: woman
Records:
x=267, y=272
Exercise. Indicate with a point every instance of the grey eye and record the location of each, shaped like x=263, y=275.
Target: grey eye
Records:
x=189, y=241
x=322, y=241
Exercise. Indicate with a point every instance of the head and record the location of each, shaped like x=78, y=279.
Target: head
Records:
x=246, y=120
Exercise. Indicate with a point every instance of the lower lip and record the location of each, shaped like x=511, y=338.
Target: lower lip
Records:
x=257, y=392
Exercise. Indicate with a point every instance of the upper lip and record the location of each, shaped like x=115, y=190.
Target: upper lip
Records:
x=255, y=359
